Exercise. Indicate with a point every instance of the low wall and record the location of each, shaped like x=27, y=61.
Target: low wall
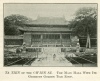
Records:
x=13, y=41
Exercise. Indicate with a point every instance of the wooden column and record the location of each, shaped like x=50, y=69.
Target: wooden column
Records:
x=61, y=39
x=27, y=38
x=41, y=39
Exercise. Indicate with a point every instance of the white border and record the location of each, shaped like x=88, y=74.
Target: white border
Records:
x=78, y=77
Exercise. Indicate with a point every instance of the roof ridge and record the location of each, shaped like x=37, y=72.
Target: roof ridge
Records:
x=50, y=17
x=50, y=20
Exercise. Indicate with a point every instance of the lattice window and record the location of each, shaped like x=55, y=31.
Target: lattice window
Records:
x=51, y=36
x=65, y=36
x=57, y=36
x=36, y=36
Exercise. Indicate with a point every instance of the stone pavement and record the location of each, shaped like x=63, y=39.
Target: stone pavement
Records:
x=48, y=60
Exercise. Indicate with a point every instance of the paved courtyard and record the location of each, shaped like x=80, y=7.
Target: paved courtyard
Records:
x=49, y=60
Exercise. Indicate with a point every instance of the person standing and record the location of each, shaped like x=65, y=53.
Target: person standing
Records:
x=54, y=56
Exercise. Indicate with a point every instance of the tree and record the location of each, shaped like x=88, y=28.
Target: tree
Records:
x=12, y=24
x=85, y=23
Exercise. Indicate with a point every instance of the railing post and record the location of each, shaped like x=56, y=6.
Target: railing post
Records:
x=61, y=38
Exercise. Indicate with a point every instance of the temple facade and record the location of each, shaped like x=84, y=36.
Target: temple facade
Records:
x=48, y=32
x=47, y=35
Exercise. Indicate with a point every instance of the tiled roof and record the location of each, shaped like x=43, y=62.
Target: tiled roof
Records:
x=12, y=37
x=49, y=21
x=52, y=21
x=64, y=29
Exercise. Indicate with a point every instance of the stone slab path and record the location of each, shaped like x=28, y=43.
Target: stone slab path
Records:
x=48, y=60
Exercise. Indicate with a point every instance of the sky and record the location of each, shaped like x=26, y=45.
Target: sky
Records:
x=44, y=10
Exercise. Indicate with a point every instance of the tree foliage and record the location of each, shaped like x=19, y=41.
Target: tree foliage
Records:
x=13, y=22
x=85, y=23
